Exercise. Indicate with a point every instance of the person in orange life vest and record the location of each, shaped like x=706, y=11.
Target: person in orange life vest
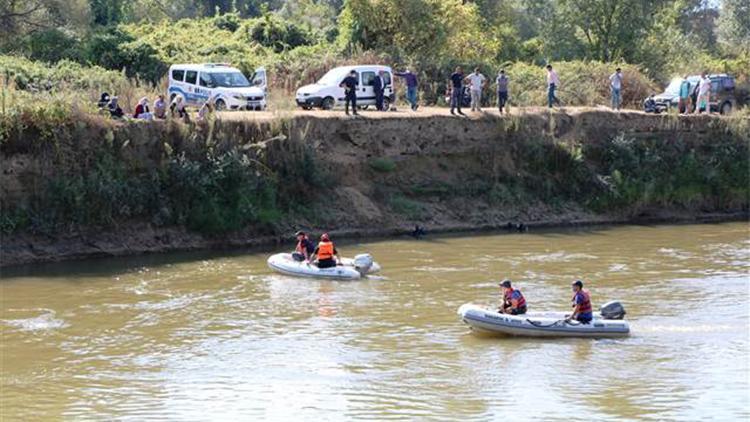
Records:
x=513, y=301
x=326, y=252
x=305, y=247
x=582, y=309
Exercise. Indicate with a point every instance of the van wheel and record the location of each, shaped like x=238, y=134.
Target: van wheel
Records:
x=386, y=104
x=726, y=108
x=221, y=105
x=327, y=103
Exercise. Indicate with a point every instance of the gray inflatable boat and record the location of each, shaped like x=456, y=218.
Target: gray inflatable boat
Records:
x=607, y=323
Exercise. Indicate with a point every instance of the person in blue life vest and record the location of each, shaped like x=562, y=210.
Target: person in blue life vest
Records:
x=326, y=252
x=513, y=301
x=305, y=247
x=582, y=309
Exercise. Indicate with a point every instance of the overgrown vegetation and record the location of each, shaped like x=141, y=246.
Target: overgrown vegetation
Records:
x=298, y=40
x=207, y=187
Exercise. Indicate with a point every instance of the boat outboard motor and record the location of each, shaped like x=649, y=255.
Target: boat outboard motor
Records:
x=363, y=263
x=612, y=310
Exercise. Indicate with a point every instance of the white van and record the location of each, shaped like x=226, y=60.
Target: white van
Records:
x=226, y=85
x=327, y=94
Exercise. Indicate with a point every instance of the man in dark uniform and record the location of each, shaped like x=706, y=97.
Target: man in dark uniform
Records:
x=350, y=91
x=457, y=90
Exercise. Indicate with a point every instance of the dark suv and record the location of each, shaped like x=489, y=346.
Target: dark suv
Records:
x=724, y=96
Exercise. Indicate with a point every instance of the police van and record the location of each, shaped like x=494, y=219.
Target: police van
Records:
x=224, y=84
x=326, y=92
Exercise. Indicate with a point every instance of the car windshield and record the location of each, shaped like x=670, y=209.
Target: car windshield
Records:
x=333, y=77
x=230, y=79
x=674, y=87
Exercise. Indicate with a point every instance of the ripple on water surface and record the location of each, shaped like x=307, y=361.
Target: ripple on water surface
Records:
x=225, y=339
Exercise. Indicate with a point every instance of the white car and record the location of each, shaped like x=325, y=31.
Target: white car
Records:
x=327, y=94
x=226, y=85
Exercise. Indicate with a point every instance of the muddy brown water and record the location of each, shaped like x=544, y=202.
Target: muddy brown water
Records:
x=206, y=337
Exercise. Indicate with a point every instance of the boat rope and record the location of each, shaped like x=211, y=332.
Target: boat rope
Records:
x=563, y=321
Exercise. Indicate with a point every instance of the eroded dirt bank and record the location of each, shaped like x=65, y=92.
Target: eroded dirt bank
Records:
x=98, y=188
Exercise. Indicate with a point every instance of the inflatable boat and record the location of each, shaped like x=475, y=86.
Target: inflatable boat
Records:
x=350, y=269
x=607, y=323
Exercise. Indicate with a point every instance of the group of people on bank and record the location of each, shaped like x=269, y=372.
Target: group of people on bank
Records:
x=514, y=303
x=477, y=82
x=158, y=110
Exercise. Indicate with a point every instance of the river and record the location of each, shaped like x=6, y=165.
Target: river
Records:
x=220, y=337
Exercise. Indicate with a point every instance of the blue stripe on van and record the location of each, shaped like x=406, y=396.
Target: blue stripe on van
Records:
x=190, y=98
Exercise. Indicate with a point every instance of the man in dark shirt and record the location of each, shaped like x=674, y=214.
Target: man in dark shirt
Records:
x=457, y=90
x=378, y=85
x=350, y=91
x=305, y=247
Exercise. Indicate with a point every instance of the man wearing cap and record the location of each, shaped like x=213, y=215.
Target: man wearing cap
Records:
x=582, y=309
x=513, y=301
x=326, y=252
x=305, y=247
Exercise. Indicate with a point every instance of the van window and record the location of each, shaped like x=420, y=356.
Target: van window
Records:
x=387, y=78
x=367, y=78
x=729, y=84
x=191, y=76
x=715, y=86
x=178, y=75
x=205, y=80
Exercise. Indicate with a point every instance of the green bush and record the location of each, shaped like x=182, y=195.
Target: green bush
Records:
x=51, y=46
x=382, y=165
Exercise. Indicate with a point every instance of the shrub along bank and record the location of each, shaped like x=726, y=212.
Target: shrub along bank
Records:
x=265, y=177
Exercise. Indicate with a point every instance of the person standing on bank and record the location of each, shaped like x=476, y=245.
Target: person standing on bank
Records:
x=553, y=82
x=411, y=87
x=615, y=85
x=476, y=84
x=457, y=90
x=502, y=90
x=378, y=85
x=703, y=102
x=350, y=92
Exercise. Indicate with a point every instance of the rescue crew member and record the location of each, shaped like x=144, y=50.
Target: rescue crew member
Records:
x=350, y=91
x=305, y=247
x=326, y=252
x=582, y=310
x=513, y=301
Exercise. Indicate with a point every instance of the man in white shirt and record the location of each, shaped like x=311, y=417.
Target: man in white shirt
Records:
x=704, y=94
x=553, y=82
x=615, y=85
x=476, y=83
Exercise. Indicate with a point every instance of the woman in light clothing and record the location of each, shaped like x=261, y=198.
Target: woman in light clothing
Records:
x=704, y=94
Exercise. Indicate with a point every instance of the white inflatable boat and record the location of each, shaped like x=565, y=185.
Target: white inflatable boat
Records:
x=546, y=324
x=351, y=269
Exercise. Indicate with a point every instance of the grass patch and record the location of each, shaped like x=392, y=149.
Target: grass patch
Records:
x=382, y=165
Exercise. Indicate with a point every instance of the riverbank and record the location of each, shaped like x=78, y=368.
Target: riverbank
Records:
x=101, y=188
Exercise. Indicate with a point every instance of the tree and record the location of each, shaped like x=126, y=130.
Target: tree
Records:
x=610, y=29
x=733, y=28
x=23, y=17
